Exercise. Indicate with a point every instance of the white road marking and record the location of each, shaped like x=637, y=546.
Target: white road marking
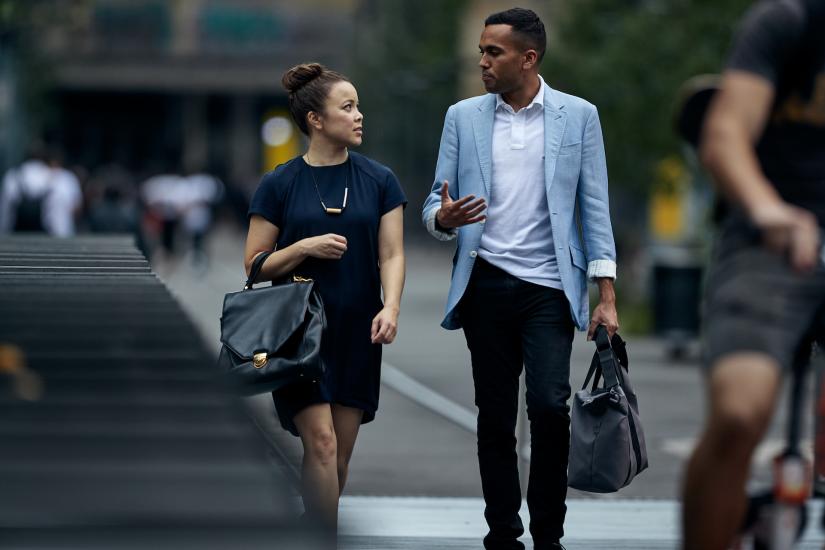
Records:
x=682, y=447
x=407, y=386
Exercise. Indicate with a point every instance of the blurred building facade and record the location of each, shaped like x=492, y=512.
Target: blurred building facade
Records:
x=160, y=85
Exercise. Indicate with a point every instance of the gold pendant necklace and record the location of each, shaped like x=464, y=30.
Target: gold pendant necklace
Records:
x=327, y=209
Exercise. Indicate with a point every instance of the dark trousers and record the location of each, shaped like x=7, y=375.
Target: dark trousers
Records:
x=508, y=323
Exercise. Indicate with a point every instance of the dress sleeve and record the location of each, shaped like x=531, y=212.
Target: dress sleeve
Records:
x=268, y=200
x=392, y=195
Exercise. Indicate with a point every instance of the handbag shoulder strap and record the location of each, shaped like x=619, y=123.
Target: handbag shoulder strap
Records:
x=255, y=270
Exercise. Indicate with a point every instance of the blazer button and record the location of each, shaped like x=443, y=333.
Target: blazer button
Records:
x=473, y=253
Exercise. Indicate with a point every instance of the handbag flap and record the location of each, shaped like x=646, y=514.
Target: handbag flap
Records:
x=262, y=319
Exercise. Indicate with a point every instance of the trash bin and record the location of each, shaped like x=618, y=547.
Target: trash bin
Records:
x=677, y=295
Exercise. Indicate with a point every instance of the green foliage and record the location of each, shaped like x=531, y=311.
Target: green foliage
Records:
x=405, y=72
x=25, y=68
x=629, y=58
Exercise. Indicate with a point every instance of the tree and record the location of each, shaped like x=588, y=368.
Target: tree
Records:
x=629, y=59
x=406, y=75
x=25, y=75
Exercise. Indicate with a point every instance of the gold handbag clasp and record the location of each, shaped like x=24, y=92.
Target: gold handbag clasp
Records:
x=299, y=279
x=259, y=360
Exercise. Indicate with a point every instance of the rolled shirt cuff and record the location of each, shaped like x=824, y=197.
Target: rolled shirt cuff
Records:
x=435, y=232
x=601, y=268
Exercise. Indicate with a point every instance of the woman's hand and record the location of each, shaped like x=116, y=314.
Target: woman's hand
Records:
x=385, y=326
x=325, y=247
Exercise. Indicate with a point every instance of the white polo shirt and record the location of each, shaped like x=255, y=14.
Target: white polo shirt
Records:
x=517, y=235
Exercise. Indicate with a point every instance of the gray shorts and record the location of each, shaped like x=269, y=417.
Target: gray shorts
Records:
x=754, y=301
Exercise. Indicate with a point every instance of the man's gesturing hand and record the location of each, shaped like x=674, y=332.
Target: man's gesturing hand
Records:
x=463, y=211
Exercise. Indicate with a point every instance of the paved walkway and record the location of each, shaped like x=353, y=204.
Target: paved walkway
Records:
x=458, y=523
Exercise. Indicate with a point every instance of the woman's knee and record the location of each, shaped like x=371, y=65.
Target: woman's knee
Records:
x=321, y=445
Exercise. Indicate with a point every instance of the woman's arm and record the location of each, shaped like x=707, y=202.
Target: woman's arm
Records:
x=392, y=264
x=262, y=237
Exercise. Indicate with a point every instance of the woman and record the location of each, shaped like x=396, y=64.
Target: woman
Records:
x=336, y=217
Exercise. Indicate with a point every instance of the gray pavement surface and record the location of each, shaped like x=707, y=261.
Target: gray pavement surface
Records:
x=413, y=450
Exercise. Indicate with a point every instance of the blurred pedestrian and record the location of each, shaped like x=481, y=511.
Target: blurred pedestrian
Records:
x=517, y=168
x=334, y=216
x=164, y=197
x=113, y=205
x=200, y=194
x=764, y=144
x=40, y=195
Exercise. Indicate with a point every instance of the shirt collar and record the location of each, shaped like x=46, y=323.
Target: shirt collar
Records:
x=537, y=100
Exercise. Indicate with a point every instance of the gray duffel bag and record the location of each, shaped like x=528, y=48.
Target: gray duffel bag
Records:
x=607, y=444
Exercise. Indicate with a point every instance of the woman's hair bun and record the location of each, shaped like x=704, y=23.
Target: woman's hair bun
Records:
x=300, y=75
x=308, y=86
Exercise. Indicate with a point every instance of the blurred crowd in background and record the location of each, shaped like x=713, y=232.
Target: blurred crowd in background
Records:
x=167, y=213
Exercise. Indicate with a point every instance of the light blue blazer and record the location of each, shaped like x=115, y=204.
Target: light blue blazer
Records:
x=575, y=175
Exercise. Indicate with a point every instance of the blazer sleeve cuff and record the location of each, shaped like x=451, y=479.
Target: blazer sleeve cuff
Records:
x=435, y=232
x=601, y=268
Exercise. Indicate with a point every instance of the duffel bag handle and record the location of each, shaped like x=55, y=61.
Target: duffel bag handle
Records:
x=604, y=361
x=255, y=270
x=607, y=360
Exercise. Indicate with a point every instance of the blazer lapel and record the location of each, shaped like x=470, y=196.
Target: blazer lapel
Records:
x=483, y=130
x=555, y=121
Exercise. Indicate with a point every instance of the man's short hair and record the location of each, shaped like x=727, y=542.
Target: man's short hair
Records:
x=526, y=26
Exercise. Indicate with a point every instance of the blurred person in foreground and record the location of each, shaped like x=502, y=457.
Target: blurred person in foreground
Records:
x=533, y=157
x=763, y=142
x=336, y=217
x=40, y=195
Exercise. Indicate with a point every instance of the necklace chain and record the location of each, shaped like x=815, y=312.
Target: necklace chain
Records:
x=327, y=209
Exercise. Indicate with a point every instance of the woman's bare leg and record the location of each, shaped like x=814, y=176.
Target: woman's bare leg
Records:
x=347, y=421
x=319, y=480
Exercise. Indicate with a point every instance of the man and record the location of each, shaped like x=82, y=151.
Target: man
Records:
x=527, y=161
x=764, y=143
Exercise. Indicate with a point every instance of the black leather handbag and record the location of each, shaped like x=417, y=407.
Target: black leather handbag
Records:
x=271, y=336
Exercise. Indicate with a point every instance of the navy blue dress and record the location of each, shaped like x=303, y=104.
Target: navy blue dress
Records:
x=350, y=286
